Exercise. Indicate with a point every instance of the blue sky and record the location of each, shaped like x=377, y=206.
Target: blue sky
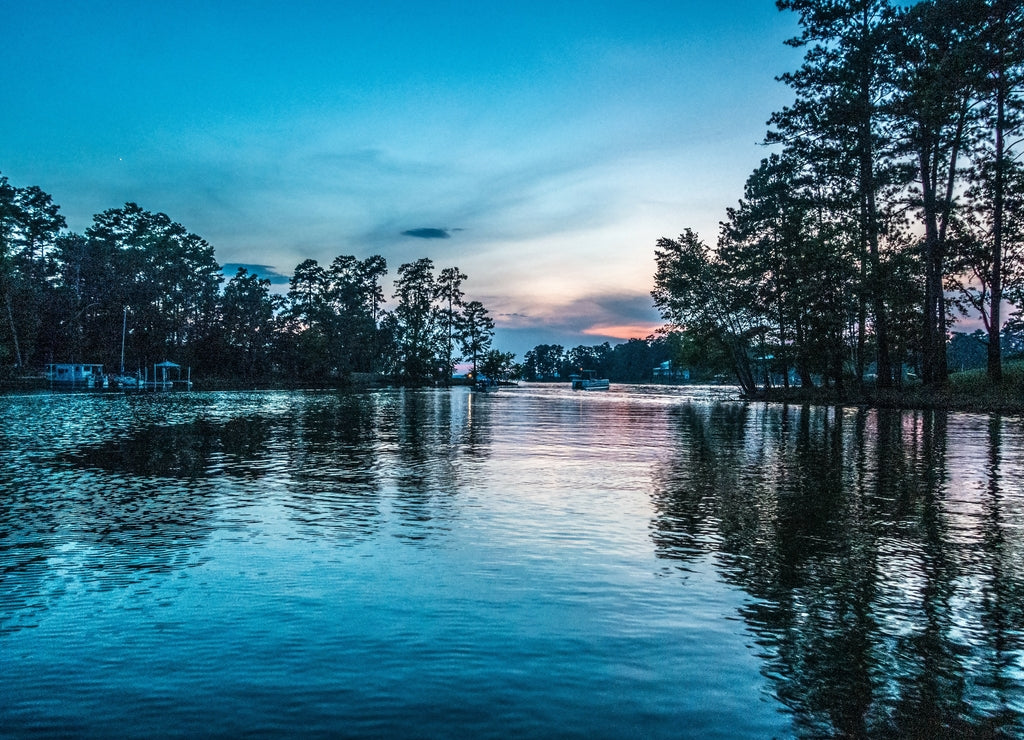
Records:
x=542, y=147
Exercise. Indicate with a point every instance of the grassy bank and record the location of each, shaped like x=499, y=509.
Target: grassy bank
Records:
x=966, y=391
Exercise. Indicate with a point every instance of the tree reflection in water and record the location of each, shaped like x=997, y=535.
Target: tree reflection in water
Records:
x=106, y=491
x=883, y=552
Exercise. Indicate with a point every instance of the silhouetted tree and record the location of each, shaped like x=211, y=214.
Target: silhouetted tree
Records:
x=450, y=313
x=476, y=331
x=415, y=322
x=769, y=245
x=596, y=358
x=937, y=82
x=838, y=127
x=167, y=277
x=29, y=225
x=991, y=238
x=693, y=291
x=249, y=322
x=543, y=362
x=634, y=361
x=371, y=271
x=352, y=292
x=304, y=319
x=498, y=365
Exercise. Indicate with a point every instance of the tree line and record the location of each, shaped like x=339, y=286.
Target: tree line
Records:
x=138, y=288
x=893, y=203
x=634, y=361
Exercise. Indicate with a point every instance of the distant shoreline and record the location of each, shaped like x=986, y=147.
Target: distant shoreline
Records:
x=968, y=392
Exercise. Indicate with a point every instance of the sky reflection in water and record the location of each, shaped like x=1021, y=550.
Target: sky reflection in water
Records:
x=646, y=562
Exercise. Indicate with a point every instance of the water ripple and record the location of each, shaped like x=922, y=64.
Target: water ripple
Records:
x=640, y=562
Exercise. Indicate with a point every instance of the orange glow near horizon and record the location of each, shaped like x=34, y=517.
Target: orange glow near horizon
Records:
x=626, y=332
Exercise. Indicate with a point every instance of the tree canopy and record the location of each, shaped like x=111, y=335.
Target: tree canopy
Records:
x=138, y=288
x=893, y=201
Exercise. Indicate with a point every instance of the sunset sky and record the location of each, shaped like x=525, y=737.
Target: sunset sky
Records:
x=542, y=147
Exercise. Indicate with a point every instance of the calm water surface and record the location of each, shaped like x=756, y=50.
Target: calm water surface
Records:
x=645, y=562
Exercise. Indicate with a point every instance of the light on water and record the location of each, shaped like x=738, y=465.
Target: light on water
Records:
x=644, y=562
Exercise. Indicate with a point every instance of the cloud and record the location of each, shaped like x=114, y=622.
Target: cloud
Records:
x=607, y=315
x=626, y=332
x=264, y=271
x=614, y=316
x=428, y=233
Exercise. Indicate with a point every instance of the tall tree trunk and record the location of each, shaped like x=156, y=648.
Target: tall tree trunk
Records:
x=804, y=371
x=933, y=331
x=937, y=214
x=869, y=233
x=862, y=319
x=783, y=352
x=741, y=364
x=995, y=361
x=14, y=329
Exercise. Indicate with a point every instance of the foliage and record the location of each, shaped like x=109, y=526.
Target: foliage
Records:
x=139, y=286
x=30, y=224
x=163, y=276
x=694, y=291
x=430, y=320
x=476, y=331
x=249, y=325
x=499, y=365
x=416, y=322
x=838, y=131
x=543, y=362
x=633, y=361
x=897, y=196
x=448, y=293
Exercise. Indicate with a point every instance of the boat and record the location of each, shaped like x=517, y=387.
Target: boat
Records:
x=586, y=381
x=76, y=375
x=125, y=382
x=485, y=385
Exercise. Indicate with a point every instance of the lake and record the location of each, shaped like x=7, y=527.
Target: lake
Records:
x=650, y=562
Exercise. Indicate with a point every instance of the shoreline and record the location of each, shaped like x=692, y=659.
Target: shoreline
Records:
x=968, y=392
x=919, y=400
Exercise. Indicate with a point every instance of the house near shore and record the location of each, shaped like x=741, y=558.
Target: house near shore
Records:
x=666, y=372
x=75, y=374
